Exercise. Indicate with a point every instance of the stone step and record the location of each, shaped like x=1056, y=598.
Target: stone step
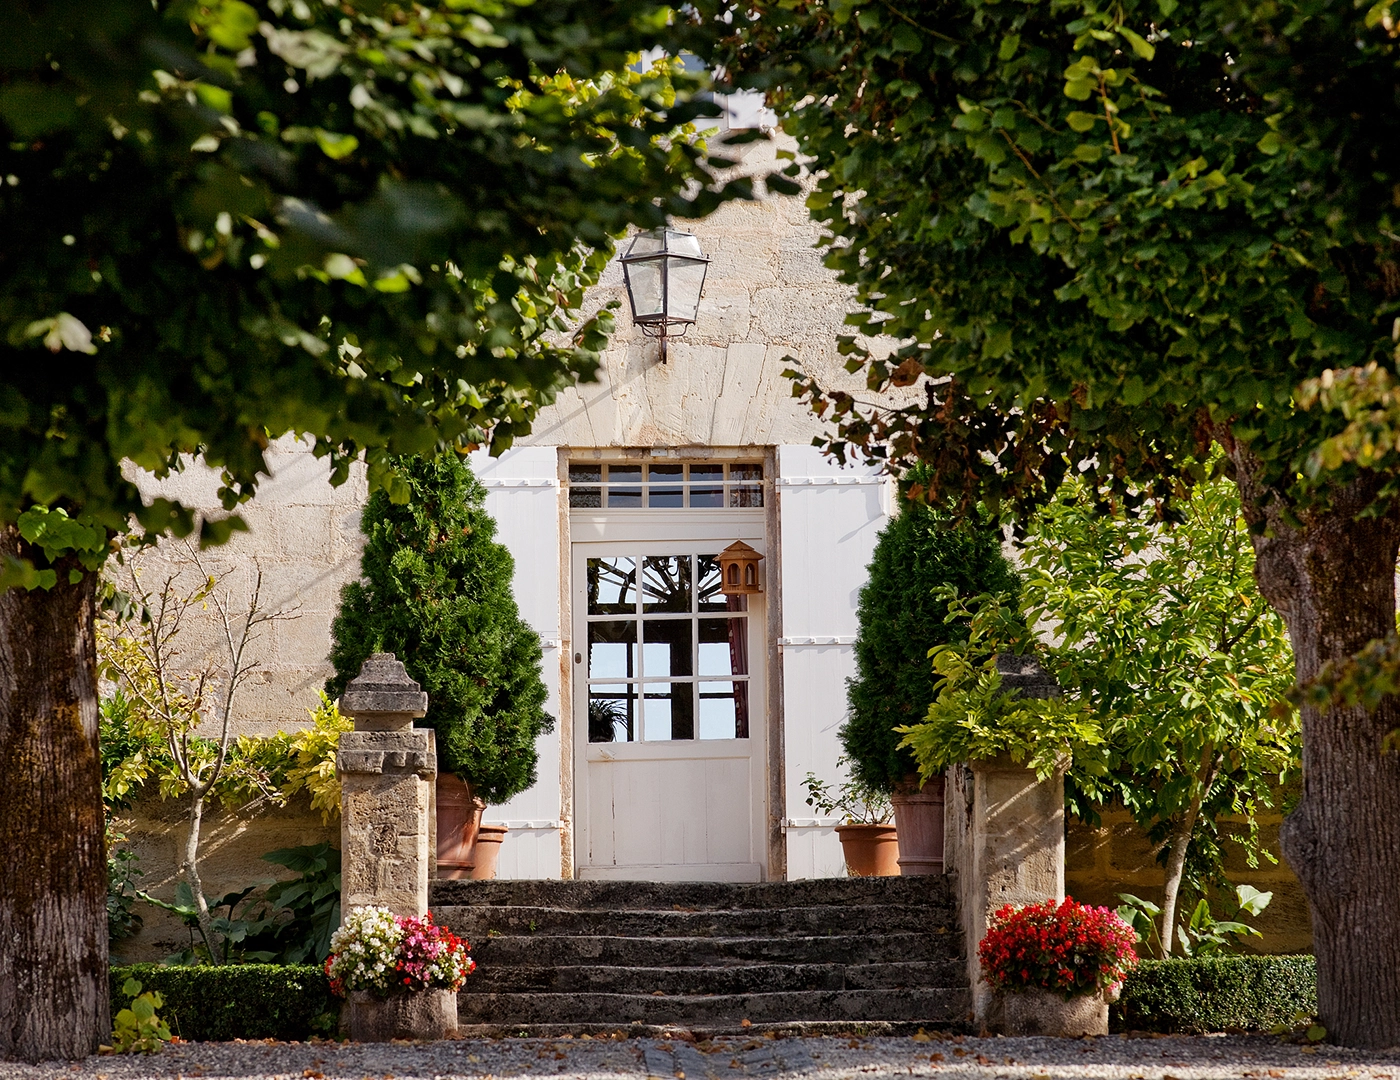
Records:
x=476, y=923
x=934, y=890
x=935, y=1006
x=639, y=952
x=747, y=979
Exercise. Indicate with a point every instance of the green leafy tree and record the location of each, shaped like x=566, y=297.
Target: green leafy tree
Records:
x=1105, y=236
x=436, y=592
x=369, y=224
x=901, y=616
x=1162, y=632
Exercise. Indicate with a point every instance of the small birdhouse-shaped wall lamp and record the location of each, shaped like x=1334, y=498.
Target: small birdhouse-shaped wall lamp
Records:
x=738, y=564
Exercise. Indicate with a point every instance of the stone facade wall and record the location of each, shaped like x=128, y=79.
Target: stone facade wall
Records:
x=233, y=843
x=767, y=296
x=1115, y=857
x=304, y=537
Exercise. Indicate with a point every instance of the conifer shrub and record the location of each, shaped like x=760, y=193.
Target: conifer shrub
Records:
x=435, y=591
x=899, y=619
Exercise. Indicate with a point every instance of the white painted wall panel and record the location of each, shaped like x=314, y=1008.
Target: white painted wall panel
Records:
x=523, y=496
x=829, y=519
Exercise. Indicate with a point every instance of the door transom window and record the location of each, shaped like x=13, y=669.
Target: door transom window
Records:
x=700, y=485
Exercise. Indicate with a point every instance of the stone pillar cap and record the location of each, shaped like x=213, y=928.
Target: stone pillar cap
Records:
x=382, y=692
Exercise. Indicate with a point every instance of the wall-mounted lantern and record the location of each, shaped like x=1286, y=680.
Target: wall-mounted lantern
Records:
x=665, y=273
x=738, y=567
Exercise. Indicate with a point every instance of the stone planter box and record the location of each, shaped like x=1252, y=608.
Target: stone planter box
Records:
x=418, y=1014
x=1039, y=1012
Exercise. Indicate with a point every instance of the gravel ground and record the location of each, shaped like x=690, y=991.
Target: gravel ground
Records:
x=729, y=1058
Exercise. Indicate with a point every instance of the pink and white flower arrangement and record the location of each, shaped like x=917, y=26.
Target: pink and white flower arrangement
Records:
x=384, y=953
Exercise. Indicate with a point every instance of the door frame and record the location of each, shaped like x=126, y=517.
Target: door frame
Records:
x=593, y=532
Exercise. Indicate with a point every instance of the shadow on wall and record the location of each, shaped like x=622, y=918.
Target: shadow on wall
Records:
x=1116, y=857
x=231, y=858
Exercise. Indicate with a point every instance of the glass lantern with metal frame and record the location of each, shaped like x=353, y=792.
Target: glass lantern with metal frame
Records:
x=665, y=274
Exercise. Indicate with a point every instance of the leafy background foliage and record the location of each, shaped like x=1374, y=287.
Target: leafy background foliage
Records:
x=1119, y=230
x=436, y=592
x=370, y=223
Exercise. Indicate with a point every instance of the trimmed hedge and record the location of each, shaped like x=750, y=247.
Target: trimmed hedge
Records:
x=237, y=1001
x=1191, y=996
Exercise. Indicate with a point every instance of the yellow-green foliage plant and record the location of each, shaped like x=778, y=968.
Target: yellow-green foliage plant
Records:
x=138, y=1028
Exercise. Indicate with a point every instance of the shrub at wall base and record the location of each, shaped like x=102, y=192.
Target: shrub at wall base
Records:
x=1227, y=993
x=436, y=592
x=237, y=1001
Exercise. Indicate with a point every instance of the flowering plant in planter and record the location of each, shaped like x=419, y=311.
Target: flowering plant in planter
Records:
x=1068, y=949
x=377, y=951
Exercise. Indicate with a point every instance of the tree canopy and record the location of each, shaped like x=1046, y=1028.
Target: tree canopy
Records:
x=1105, y=236
x=1121, y=230
x=368, y=223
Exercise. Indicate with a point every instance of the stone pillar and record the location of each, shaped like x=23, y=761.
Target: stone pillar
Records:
x=1004, y=834
x=387, y=770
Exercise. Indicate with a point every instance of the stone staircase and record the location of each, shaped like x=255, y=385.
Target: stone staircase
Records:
x=865, y=955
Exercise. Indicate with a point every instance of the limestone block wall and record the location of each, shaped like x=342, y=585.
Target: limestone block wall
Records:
x=767, y=296
x=1115, y=857
x=304, y=537
x=233, y=843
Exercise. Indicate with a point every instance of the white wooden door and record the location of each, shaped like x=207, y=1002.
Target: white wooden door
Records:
x=669, y=708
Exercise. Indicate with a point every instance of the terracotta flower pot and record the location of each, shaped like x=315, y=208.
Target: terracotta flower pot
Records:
x=918, y=816
x=488, y=851
x=416, y=1014
x=870, y=850
x=458, y=820
x=1040, y=1012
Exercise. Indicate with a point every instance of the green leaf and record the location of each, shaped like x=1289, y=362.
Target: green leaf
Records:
x=216, y=97
x=231, y=24
x=1009, y=45
x=1080, y=89
x=1082, y=121
x=336, y=146
x=1270, y=144
x=906, y=39
x=1141, y=46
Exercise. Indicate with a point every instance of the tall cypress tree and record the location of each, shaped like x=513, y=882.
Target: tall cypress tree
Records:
x=900, y=619
x=436, y=592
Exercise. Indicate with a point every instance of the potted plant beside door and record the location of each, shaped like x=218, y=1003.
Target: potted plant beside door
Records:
x=901, y=616
x=435, y=590
x=868, y=840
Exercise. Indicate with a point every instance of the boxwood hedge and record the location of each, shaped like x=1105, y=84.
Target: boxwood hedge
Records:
x=1241, y=993
x=237, y=1001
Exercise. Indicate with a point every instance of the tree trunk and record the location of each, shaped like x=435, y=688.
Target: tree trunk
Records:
x=189, y=869
x=1180, y=843
x=1171, y=887
x=1332, y=579
x=53, y=877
